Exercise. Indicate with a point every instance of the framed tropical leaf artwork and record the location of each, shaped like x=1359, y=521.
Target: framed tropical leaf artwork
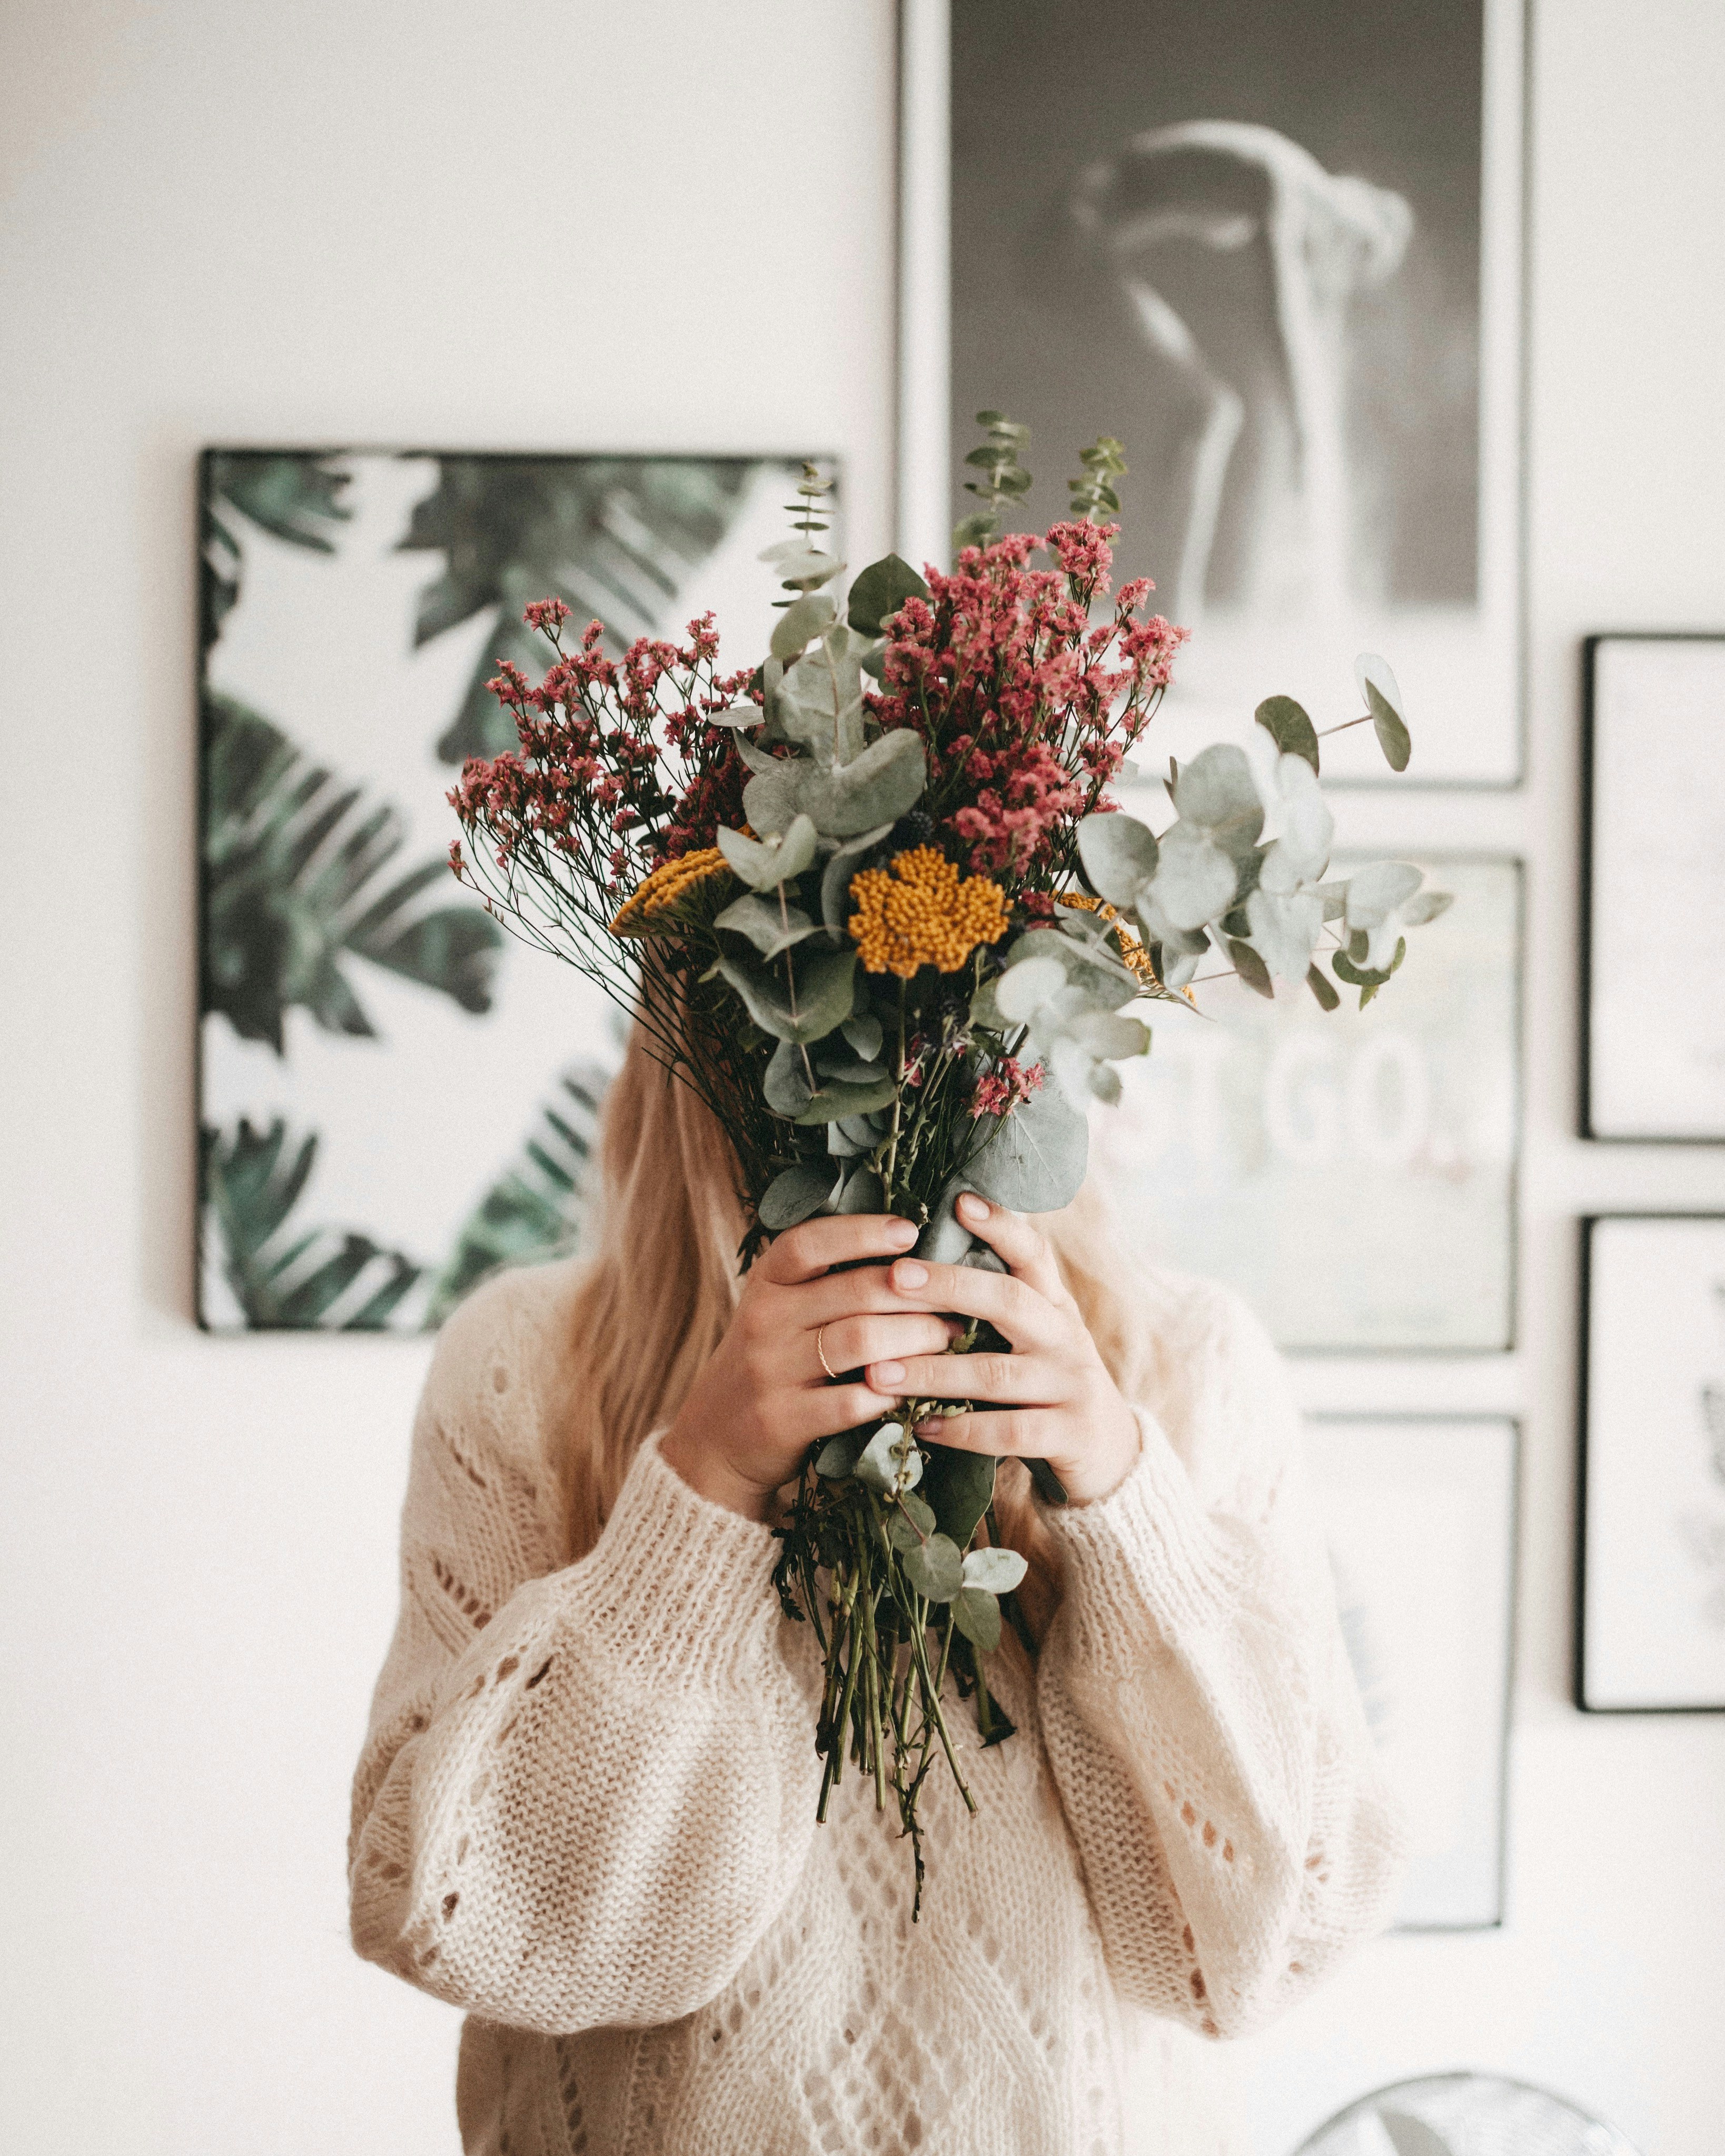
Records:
x=394, y=1100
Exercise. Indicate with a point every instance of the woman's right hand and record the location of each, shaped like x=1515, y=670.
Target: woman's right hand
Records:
x=763, y=1397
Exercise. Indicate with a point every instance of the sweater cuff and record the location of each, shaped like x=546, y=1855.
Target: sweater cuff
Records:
x=677, y=1583
x=1147, y=1551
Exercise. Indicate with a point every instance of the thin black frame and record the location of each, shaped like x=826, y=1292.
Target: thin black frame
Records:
x=1435, y=857
x=906, y=309
x=1587, y=1224
x=1517, y=1456
x=203, y=641
x=1588, y=840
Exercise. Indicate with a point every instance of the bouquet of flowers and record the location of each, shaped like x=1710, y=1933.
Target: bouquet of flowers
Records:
x=871, y=900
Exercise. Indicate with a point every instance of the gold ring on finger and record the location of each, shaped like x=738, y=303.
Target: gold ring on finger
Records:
x=821, y=1352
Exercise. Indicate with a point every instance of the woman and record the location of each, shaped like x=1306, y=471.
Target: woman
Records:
x=585, y=1810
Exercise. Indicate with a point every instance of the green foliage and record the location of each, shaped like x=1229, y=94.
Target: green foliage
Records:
x=1288, y=726
x=879, y=591
x=1093, y=495
x=1004, y=478
x=291, y=860
x=296, y=499
x=537, y=1208
x=616, y=538
x=286, y=1277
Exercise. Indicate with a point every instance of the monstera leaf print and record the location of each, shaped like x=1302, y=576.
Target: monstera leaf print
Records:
x=534, y=1210
x=617, y=538
x=296, y=498
x=281, y=1275
x=292, y=859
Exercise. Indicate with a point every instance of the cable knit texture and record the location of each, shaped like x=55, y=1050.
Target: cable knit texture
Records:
x=585, y=1808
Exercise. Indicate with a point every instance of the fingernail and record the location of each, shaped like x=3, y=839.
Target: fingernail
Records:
x=930, y=1426
x=973, y=1207
x=909, y=1274
x=887, y=1375
x=902, y=1232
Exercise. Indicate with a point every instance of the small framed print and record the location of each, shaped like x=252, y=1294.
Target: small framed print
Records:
x=1419, y=1512
x=1653, y=1019
x=1650, y=1593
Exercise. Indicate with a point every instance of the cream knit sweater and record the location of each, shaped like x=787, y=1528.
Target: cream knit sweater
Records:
x=585, y=1809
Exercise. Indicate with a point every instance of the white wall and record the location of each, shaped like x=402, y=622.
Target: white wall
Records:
x=531, y=225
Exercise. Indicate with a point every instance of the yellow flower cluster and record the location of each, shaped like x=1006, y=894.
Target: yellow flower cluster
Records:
x=1131, y=949
x=920, y=914
x=658, y=892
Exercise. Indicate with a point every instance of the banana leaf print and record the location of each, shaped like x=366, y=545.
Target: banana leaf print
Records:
x=292, y=863
x=296, y=498
x=535, y=1210
x=617, y=538
x=283, y=1275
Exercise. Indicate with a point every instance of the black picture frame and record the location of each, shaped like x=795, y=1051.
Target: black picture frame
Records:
x=1503, y=1710
x=1589, y=1044
x=1587, y=1476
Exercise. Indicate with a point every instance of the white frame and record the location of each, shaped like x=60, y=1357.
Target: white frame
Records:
x=1490, y=667
x=1637, y=997
x=1429, y=1470
x=1646, y=1496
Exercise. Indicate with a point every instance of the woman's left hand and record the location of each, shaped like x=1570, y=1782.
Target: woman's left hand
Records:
x=1057, y=1401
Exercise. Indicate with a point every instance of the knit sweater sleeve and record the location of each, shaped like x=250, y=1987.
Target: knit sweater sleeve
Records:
x=1201, y=1721
x=585, y=1791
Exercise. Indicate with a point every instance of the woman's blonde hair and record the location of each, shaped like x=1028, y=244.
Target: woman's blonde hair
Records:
x=656, y=1298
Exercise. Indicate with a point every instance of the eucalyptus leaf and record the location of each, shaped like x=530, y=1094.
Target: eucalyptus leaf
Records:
x=977, y=1614
x=880, y=590
x=819, y=701
x=1035, y=1160
x=935, y=1569
x=960, y=1487
x=1107, y=1034
x=1285, y=930
x=1252, y=970
x=1119, y=855
x=796, y=1194
x=1320, y=987
x=760, y=920
x=786, y=1086
x=890, y=1461
x=765, y=864
x=737, y=715
x=823, y=994
x=864, y=1035
x=802, y=566
x=1288, y=725
x=1376, y=891
x=1426, y=907
x=834, y=1101
x=864, y=1192
x=1103, y=978
x=801, y=622
x=840, y=1455
x=1022, y=988
x=1196, y=880
x=1217, y=792
x=835, y=878
x=1392, y=733
x=996, y=1571
x=877, y=787
x=910, y=1520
